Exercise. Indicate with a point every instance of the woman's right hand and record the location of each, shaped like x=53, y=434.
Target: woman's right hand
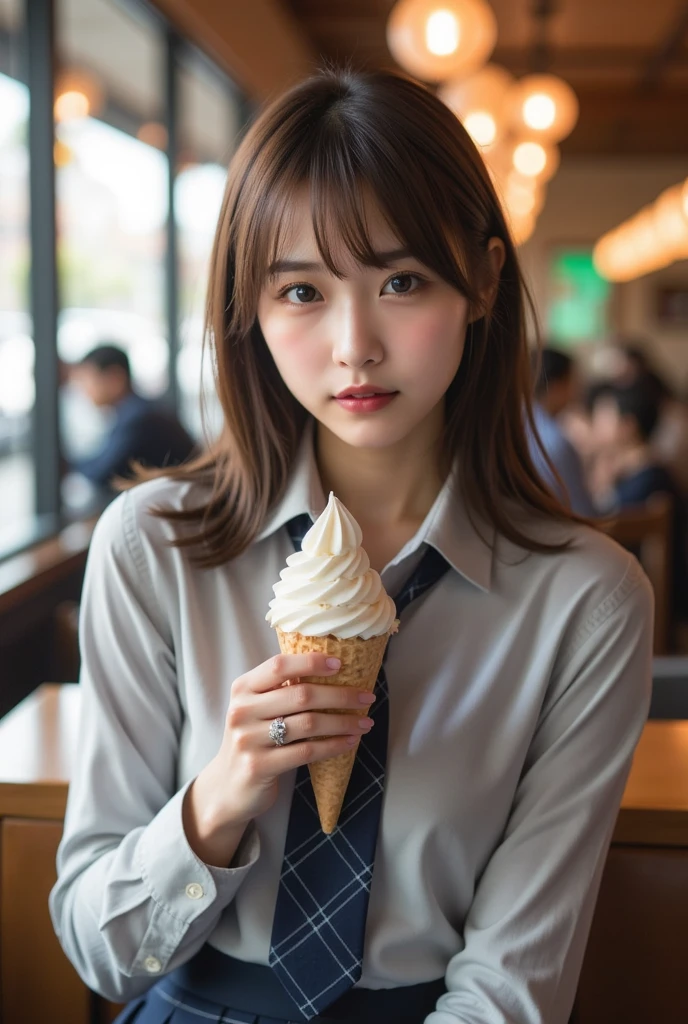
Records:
x=241, y=781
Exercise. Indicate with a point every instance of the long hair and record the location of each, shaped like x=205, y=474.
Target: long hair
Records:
x=348, y=135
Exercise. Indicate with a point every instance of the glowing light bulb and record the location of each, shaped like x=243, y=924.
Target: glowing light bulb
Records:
x=482, y=127
x=441, y=40
x=530, y=159
x=71, y=104
x=442, y=33
x=539, y=111
x=671, y=223
x=544, y=104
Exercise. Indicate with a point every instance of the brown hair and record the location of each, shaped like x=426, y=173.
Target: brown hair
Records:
x=344, y=134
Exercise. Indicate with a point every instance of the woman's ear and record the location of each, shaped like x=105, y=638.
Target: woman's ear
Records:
x=496, y=254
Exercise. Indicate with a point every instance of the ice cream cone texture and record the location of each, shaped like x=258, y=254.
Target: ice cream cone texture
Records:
x=329, y=600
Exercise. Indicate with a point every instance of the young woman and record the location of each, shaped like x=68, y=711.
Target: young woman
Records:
x=360, y=246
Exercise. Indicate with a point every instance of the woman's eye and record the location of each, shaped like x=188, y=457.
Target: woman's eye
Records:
x=402, y=284
x=300, y=294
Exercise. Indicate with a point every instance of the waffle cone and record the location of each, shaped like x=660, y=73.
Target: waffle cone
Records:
x=361, y=660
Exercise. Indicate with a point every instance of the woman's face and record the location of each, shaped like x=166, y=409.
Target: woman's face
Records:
x=400, y=330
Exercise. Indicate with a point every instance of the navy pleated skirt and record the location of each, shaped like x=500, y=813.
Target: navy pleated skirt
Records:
x=166, y=1003
x=216, y=989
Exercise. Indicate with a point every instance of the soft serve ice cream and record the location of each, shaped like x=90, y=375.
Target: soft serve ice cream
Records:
x=328, y=587
x=329, y=599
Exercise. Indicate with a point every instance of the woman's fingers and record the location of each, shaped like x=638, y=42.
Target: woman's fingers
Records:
x=300, y=697
x=312, y=725
x=275, y=672
x=261, y=693
x=293, y=755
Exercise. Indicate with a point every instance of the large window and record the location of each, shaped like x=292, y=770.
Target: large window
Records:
x=111, y=189
x=209, y=120
x=16, y=344
x=131, y=240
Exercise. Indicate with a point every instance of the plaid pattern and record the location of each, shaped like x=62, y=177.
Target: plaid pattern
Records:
x=318, y=930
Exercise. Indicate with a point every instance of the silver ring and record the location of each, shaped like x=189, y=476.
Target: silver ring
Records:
x=278, y=732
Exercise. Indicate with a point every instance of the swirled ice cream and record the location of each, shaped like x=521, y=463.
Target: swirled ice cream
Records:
x=329, y=599
x=328, y=588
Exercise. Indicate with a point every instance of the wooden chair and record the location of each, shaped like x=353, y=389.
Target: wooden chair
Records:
x=647, y=531
x=669, y=688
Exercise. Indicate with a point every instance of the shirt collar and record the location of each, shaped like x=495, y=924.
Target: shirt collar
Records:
x=304, y=491
x=447, y=526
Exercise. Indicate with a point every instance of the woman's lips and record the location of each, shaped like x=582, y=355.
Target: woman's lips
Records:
x=373, y=403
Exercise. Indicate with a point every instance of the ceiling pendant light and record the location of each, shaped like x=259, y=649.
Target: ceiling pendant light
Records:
x=545, y=106
x=653, y=238
x=671, y=223
x=479, y=102
x=439, y=39
x=535, y=158
x=482, y=128
x=630, y=250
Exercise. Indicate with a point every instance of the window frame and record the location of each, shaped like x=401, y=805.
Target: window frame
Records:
x=38, y=57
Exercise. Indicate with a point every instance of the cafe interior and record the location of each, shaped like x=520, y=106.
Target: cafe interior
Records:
x=118, y=119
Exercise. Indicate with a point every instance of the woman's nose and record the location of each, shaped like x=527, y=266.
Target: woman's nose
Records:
x=355, y=340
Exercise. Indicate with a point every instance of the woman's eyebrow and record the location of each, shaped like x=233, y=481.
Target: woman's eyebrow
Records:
x=306, y=267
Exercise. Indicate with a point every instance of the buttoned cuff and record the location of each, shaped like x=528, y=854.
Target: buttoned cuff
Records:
x=245, y=856
x=179, y=881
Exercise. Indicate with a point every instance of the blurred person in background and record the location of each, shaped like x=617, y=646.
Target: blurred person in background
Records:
x=628, y=363
x=628, y=470
x=556, y=388
x=141, y=430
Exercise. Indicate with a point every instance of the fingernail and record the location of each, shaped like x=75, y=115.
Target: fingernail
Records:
x=333, y=663
x=351, y=740
x=365, y=723
x=366, y=698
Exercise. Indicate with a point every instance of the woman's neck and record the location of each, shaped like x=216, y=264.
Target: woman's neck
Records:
x=385, y=489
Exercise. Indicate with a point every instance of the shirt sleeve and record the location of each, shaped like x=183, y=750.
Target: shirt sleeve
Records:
x=132, y=899
x=527, y=927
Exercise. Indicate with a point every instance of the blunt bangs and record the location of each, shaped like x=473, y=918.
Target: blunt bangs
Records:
x=349, y=165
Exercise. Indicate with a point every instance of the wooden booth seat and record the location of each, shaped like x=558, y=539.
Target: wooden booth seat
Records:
x=634, y=970
x=39, y=591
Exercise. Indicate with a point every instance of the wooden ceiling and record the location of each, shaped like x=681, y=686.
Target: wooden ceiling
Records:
x=626, y=59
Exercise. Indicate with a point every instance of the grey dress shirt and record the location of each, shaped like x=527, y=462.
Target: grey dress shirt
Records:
x=519, y=686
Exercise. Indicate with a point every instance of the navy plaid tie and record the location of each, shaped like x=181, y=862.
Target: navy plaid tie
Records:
x=316, y=948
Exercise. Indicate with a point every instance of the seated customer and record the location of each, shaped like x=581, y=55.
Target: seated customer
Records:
x=142, y=430
x=555, y=388
x=623, y=421
x=631, y=363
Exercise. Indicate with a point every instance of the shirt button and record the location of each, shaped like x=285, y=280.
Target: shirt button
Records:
x=152, y=965
x=194, y=891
